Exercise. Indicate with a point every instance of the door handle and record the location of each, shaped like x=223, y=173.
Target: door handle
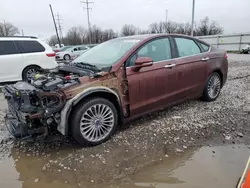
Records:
x=205, y=59
x=170, y=66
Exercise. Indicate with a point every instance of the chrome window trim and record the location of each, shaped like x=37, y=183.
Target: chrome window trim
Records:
x=179, y=57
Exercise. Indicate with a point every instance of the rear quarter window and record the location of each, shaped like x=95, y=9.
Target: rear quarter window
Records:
x=7, y=48
x=30, y=46
x=204, y=46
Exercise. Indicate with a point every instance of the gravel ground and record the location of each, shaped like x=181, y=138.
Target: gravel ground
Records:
x=145, y=141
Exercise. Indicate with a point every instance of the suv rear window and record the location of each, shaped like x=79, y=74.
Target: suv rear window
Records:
x=30, y=46
x=8, y=47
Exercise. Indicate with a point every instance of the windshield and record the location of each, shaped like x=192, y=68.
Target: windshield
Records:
x=107, y=53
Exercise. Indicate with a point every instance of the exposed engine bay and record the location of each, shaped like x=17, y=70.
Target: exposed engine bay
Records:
x=34, y=108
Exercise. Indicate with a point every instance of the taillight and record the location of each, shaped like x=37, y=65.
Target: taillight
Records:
x=225, y=56
x=51, y=54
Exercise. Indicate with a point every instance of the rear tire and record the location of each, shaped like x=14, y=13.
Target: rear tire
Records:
x=212, y=88
x=29, y=71
x=94, y=121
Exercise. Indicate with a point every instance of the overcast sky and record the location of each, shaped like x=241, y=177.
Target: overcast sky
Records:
x=33, y=16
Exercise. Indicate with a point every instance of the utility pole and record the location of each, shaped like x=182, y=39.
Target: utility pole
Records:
x=22, y=32
x=192, y=27
x=4, y=25
x=87, y=8
x=58, y=19
x=55, y=25
x=166, y=21
x=166, y=16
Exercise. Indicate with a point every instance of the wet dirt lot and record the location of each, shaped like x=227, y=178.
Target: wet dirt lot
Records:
x=190, y=145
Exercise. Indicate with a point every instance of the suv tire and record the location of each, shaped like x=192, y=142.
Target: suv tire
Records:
x=94, y=121
x=28, y=71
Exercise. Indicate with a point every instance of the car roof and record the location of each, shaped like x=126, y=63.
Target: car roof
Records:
x=19, y=38
x=148, y=36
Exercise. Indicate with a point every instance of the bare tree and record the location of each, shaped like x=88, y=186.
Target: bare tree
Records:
x=141, y=32
x=108, y=34
x=96, y=34
x=75, y=35
x=8, y=29
x=157, y=27
x=171, y=27
x=128, y=30
x=207, y=28
x=184, y=29
x=52, y=41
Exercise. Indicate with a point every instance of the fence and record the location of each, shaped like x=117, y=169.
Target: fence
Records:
x=232, y=42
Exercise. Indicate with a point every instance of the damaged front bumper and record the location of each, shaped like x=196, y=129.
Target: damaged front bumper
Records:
x=27, y=117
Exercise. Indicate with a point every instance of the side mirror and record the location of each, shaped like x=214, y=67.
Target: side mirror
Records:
x=142, y=62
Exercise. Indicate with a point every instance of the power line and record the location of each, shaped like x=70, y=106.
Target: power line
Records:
x=87, y=8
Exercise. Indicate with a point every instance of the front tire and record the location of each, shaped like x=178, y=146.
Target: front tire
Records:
x=66, y=57
x=94, y=121
x=212, y=88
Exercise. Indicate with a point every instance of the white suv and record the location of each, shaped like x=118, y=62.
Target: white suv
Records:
x=20, y=57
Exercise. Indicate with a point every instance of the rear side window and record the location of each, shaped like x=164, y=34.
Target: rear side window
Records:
x=187, y=47
x=30, y=46
x=8, y=47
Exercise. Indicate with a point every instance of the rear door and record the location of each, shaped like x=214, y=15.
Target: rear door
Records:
x=191, y=67
x=11, y=60
x=147, y=86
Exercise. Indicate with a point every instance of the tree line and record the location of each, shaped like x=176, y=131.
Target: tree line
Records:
x=79, y=35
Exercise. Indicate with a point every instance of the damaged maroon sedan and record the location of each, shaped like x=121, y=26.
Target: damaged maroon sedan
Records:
x=115, y=82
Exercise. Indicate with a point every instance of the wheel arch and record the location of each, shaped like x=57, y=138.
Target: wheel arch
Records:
x=103, y=92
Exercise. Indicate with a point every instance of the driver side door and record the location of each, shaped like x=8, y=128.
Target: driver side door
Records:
x=148, y=85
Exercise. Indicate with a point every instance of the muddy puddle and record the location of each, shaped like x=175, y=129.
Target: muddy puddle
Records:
x=205, y=167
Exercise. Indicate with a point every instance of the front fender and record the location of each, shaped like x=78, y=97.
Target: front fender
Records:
x=63, y=125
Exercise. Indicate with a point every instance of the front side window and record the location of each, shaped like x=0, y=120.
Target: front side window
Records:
x=7, y=47
x=158, y=50
x=187, y=47
x=30, y=46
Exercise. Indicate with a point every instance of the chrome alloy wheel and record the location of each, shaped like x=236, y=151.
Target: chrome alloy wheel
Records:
x=30, y=73
x=97, y=122
x=214, y=86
